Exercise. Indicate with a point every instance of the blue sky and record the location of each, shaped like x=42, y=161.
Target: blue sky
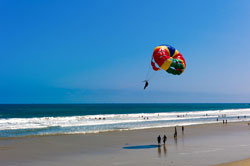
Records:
x=100, y=51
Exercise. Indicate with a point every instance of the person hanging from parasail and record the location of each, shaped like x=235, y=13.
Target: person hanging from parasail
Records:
x=146, y=84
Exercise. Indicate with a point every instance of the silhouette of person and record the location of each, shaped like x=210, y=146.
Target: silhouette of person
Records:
x=159, y=140
x=146, y=84
x=164, y=139
x=175, y=132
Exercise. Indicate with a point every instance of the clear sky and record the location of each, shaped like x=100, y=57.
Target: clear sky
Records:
x=100, y=51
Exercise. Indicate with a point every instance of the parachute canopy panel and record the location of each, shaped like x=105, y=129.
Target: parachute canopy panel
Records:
x=168, y=58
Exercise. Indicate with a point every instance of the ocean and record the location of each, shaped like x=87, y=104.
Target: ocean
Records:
x=18, y=120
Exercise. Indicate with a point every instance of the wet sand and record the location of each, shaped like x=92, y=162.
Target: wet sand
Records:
x=199, y=145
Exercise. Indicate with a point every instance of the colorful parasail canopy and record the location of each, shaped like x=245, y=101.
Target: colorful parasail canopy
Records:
x=167, y=58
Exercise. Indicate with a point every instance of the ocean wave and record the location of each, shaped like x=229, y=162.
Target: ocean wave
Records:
x=145, y=119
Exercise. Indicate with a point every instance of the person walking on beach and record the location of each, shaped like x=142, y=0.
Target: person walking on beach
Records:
x=164, y=139
x=175, y=132
x=159, y=140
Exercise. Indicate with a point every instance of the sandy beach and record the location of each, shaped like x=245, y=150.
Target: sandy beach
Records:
x=198, y=145
x=237, y=163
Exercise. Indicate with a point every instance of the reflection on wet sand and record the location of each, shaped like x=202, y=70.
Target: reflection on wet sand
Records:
x=183, y=138
x=159, y=151
x=165, y=150
x=175, y=141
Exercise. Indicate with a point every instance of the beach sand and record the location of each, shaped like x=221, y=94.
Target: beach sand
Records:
x=199, y=145
x=237, y=163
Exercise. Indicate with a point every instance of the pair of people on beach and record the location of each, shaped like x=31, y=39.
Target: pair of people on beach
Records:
x=164, y=139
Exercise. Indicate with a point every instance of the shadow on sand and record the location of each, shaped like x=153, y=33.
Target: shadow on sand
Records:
x=141, y=147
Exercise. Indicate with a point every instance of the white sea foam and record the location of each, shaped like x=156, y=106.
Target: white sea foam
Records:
x=96, y=123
